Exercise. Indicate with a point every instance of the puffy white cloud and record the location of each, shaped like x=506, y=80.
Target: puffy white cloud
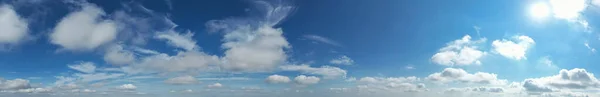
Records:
x=328, y=72
x=266, y=47
x=182, y=80
x=344, y=60
x=85, y=67
x=14, y=84
x=322, y=40
x=127, y=87
x=116, y=55
x=516, y=49
x=306, y=80
x=460, y=75
x=566, y=79
x=216, y=85
x=275, y=79
x=14, y=27
x=460, y=52
x=183, y=41
x=568, y=9
x=255, y=37
x=84, y=30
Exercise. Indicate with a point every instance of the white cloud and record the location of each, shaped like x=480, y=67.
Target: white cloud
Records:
x=183, y=61
x=459, y=52
x=116, y=55
x=380, y=80
x=97, y=76
x=565, y=94
x=14, y=27
x=84, y=29
x=593, y=50
x=256, y=37
x=306, y=80
x=127, y=87
x=85, y=67
x=565, y=80
x=344, y=60
x=460, y=75
x=182, y=80
x=322, y=40
x=216, y=85
x=275, y=79
x=516, y=49
x=410, y=67
x=14, y=84
x=398, y=84
x=328, y=72
x=183, y=41
x=568, y=9
x=596, y=2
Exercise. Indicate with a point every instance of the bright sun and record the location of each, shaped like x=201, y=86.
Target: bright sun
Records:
x=539, y=10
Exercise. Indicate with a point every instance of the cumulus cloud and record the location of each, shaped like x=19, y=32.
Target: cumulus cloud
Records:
x=85, y=67
x=460, y=52
x=116, y=55
x=344, y=60
x=460, y=75
x=256, y=37
x=183, y=41
x=322, y=40
x=84, y=29
x=516, y=49
x=14, y=84
x=275, y=79
x=306, y=80
x=182, y=80
x=14, y=27
x=328, y=72
x=216, y=85
x=566, y=79
x=126, y=87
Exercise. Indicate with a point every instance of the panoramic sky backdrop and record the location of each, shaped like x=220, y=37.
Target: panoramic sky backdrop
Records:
x=301, y=48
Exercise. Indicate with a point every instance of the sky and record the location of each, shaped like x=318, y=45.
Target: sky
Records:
x=299, y=48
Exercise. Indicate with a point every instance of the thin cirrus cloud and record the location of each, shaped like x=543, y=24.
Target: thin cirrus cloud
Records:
x=322, y=39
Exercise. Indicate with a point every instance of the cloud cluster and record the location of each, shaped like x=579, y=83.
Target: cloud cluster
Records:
x=566, y=80
x=460, y=52
x=14, y=28
x=328, y=72
x=275, y=79
x=344, y=60
x=513, y=49
x=15, y=84
x=460, y=75
x=84, y=30
x=306, y=80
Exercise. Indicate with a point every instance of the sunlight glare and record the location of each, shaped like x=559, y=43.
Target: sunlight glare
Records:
x=539, y=10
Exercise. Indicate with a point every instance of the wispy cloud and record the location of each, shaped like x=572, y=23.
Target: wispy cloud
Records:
x=322, y=39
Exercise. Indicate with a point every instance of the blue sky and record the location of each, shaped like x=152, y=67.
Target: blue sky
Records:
x=320, y=48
